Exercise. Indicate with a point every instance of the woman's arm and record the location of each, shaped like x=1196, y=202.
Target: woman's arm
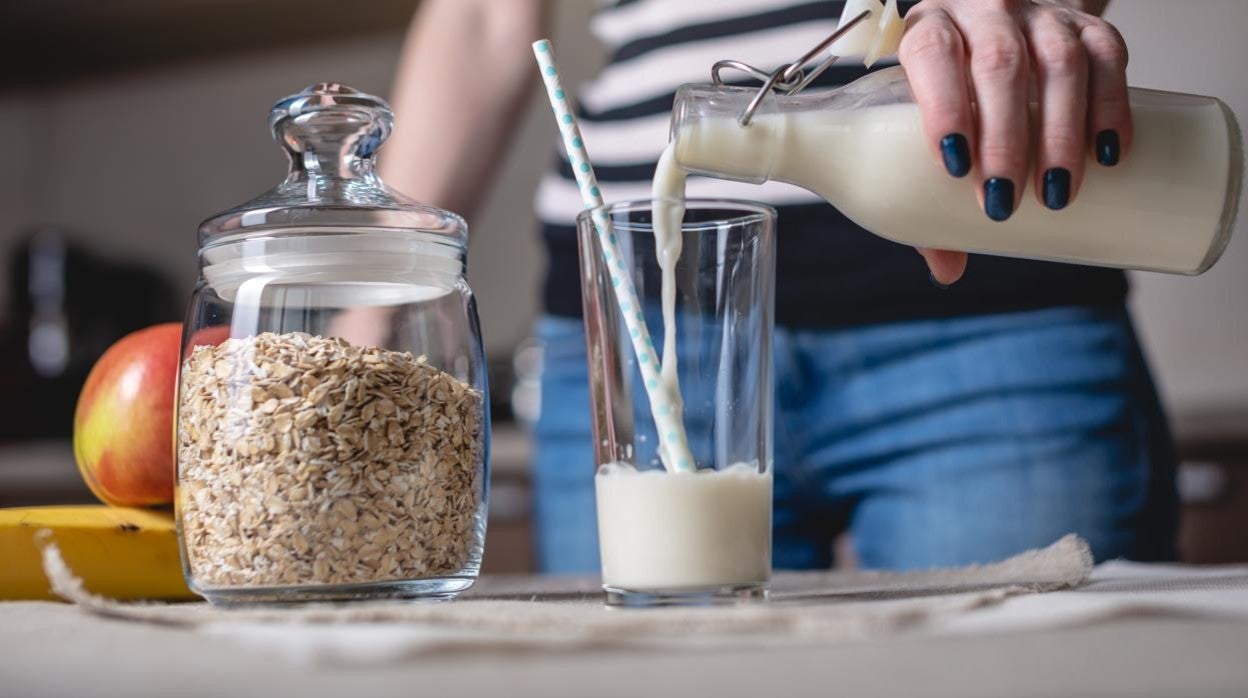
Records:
x=462, y=80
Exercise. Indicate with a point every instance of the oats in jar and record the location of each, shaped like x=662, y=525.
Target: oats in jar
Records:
x=306, y=460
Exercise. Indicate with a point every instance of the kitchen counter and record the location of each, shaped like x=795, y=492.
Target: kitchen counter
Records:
x=51, y=650
x=1030, y=645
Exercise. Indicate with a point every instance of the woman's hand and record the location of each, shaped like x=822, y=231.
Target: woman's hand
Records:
x=989, y=51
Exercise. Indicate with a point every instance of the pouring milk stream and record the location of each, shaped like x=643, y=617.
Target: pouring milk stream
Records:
x=712, y=527
x=1169, y=206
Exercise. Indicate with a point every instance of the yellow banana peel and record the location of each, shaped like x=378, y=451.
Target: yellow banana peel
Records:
x=126, y=554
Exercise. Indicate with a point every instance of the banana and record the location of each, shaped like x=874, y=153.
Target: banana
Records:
x=119, y=553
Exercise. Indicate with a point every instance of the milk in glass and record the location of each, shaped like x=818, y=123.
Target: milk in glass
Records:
x=684, y=530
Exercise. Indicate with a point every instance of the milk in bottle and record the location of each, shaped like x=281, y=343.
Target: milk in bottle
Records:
x=1168, y=206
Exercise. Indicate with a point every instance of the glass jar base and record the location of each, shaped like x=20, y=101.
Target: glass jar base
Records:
x=430, y=589
x=727, y=595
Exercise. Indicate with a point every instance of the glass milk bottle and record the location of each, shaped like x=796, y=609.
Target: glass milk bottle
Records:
x=1168, y=206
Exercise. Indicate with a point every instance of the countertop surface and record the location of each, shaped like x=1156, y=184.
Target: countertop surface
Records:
x=54, y=650
x=1131, y=630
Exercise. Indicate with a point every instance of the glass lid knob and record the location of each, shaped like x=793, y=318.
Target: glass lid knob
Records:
x=330, y=128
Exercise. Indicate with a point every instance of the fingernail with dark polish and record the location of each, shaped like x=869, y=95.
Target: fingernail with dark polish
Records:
x=999, y=198
x=937, y=284
x=1107, y=147
x=956, y=153
x=1056, y=188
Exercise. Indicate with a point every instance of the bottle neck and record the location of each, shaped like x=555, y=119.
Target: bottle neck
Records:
x=709, y=139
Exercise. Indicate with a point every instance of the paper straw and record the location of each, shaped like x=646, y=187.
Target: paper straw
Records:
x=674, y=446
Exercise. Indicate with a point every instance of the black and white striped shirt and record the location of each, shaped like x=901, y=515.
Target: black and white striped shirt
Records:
x=830, y=272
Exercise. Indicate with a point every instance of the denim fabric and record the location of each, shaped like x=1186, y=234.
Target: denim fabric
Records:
x=936, y=442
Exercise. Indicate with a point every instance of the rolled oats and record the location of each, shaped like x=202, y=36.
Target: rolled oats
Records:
x=306, y=460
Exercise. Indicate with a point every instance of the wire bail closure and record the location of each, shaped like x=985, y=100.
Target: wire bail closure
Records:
x=789, y=77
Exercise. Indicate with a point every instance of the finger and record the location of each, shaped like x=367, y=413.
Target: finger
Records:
x=998, y=66
x=1109, y=109
x=946, y=266
x=1062, y=89
x=933, y=54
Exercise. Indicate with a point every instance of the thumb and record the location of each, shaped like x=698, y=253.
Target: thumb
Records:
x=946, y=266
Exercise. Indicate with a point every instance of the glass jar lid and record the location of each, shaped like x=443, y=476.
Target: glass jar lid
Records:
x=331, y=134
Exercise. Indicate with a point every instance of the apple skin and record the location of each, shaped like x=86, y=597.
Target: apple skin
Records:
x=123, y=424
x=207, y=336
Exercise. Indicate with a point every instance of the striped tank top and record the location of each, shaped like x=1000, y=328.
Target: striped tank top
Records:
x=829, y=271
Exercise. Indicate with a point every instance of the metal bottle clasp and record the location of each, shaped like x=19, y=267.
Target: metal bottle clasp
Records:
x=789, y=77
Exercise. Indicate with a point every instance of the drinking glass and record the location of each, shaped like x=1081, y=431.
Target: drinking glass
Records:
x=700, y=536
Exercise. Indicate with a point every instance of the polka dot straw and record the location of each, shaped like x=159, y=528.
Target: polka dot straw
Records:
x=675, y=449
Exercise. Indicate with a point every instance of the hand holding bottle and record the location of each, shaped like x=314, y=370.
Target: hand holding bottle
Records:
x=989, y=51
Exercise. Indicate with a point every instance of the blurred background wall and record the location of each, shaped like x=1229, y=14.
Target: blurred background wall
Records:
x=1196, y=329
x=134, y=158
x=150, y=116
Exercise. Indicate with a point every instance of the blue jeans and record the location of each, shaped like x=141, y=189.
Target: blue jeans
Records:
x=935, y=442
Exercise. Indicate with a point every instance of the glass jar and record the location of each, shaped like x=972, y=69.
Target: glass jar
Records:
x=332, y=426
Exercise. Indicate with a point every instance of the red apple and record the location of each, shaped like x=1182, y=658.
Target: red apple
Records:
x=123, y=426
x=208, y=336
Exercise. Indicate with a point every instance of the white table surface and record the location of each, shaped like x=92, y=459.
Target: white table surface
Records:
x=1013, y=649
x=52, y=650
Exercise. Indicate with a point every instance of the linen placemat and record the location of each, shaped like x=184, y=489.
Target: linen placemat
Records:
x=554, y=613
